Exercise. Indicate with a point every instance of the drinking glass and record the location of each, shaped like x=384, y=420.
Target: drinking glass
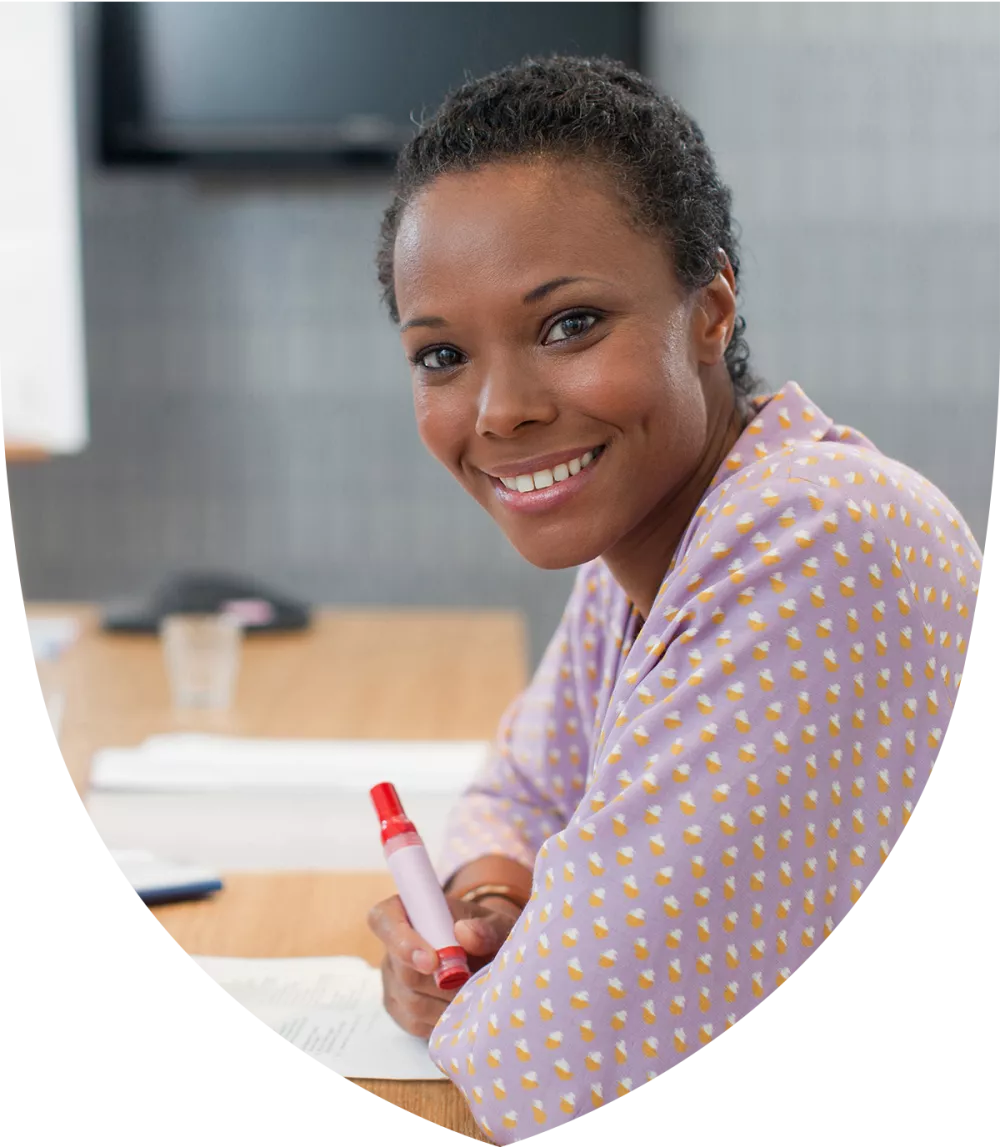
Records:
x=202, y=656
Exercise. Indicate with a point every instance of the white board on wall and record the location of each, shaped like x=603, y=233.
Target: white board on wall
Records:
x=42, y=374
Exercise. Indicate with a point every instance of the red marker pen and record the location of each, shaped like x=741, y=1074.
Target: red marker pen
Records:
x=418, y=887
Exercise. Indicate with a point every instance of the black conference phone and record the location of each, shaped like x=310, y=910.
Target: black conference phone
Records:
x=259, y=608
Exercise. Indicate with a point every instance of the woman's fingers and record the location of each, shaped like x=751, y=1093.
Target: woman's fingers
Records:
x=483, y=930
x=389, y=922
x=414, y=1011
x=409, y=978
x=479, y=929
x=410, y=993
x=411, y=960
x=482, y=935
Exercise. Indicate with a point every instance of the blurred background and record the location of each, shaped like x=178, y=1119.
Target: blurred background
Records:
x=247, y=405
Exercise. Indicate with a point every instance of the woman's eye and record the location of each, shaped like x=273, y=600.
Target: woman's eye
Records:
x=439, y=358
x=570, y=327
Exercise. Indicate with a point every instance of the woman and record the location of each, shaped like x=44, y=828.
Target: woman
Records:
x=763, y=644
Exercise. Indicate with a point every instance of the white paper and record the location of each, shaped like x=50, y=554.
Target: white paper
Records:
x=328, y=1006
x=358, y=1044
x=295, y=983
x=206, y=763
x=149, y=874
x=42, y=366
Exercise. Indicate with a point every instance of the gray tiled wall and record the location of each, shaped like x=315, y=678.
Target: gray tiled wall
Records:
x=862, y=142
x=250, y=407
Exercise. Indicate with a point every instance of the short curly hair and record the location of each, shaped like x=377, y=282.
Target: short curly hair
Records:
x=595, y=110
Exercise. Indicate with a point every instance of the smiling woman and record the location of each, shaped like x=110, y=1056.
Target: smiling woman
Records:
x=603, y=318
x=757, y=663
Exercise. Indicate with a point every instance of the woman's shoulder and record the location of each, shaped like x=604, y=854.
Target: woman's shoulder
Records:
x=819, y=493
x=826, y=522
x=793, y=456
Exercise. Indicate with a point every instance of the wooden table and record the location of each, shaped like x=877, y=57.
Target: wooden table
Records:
x=354, y=674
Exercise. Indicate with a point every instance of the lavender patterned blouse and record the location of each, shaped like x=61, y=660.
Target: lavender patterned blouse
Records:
x=703, y=797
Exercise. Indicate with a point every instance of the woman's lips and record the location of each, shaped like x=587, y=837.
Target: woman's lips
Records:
x=550, y=497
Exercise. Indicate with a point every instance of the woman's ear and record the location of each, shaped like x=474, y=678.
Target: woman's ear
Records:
x=713, y=316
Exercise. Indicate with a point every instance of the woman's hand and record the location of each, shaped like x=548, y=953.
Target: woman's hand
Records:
x=410, y=994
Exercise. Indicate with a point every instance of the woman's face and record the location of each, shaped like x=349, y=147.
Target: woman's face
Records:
x=555, y=357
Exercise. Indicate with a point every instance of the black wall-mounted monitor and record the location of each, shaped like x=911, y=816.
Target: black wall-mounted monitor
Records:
x=321, y=85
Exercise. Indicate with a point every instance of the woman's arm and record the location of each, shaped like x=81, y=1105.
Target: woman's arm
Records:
x=537, y=772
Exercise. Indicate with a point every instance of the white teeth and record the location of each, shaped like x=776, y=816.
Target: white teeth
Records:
x=541, y=479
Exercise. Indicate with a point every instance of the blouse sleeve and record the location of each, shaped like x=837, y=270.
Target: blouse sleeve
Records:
x=751, y=773
x=535, y=773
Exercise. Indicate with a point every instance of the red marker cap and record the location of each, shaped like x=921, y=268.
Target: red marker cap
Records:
x=393, y=821
x=453, y=970
x=386, y=801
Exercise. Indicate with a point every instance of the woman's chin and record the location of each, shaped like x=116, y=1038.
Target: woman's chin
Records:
x=549, y=553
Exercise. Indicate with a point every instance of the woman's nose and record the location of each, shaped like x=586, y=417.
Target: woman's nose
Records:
x=511, y=398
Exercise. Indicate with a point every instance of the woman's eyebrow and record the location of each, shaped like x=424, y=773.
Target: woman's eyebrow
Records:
x=554, y=284
x=532, y=296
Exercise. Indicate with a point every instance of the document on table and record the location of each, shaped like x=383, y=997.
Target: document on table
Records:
x=183, y=762
x=328, y=1006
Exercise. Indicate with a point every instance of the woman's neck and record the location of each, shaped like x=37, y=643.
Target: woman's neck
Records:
x=641, y=572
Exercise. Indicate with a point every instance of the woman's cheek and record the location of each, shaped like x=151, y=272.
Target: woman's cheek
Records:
x=440, y=424
x=428, y=416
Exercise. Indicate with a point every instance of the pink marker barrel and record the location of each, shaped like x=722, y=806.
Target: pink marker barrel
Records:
x=418, y=887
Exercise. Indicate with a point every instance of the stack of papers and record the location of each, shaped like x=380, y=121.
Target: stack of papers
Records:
x=207, y=763
x=331, y=1008
x=160, y=881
